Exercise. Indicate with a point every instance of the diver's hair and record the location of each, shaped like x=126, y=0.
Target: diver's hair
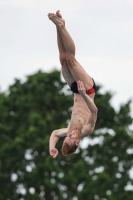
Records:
x=66, y=149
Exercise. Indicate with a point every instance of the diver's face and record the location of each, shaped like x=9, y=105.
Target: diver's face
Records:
x=72, y=138
x=73, y=134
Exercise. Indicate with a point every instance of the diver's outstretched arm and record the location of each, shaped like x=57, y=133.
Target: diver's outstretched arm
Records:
x=56, y=134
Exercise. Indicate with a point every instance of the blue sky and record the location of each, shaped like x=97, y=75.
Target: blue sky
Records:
x=102, y=31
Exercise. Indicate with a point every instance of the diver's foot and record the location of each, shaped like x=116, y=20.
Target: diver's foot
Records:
x=56, y=19
x=58, y=14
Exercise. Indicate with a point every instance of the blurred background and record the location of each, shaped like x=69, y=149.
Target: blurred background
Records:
x=34, y=100
x=102, y=31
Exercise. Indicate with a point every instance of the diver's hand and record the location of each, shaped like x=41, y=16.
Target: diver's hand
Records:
x=81, y=88
x=54, y=152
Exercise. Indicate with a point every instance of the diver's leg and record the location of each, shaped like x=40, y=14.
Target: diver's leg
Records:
x=62, y=54
x=75, y=68
x=67, y=40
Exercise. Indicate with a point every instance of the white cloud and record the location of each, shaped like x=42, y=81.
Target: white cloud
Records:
x=45, y=5
x=130, y=1
x=128, y=26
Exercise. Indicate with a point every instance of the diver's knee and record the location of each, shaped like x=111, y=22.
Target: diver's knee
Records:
x=70, y=60
x=62, y=58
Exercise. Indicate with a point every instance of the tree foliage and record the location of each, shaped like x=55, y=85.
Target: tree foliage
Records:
x=29, y=112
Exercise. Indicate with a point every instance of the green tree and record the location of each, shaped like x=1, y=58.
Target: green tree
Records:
x=29, y=112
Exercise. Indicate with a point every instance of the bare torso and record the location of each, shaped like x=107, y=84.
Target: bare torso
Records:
x=80, y=113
